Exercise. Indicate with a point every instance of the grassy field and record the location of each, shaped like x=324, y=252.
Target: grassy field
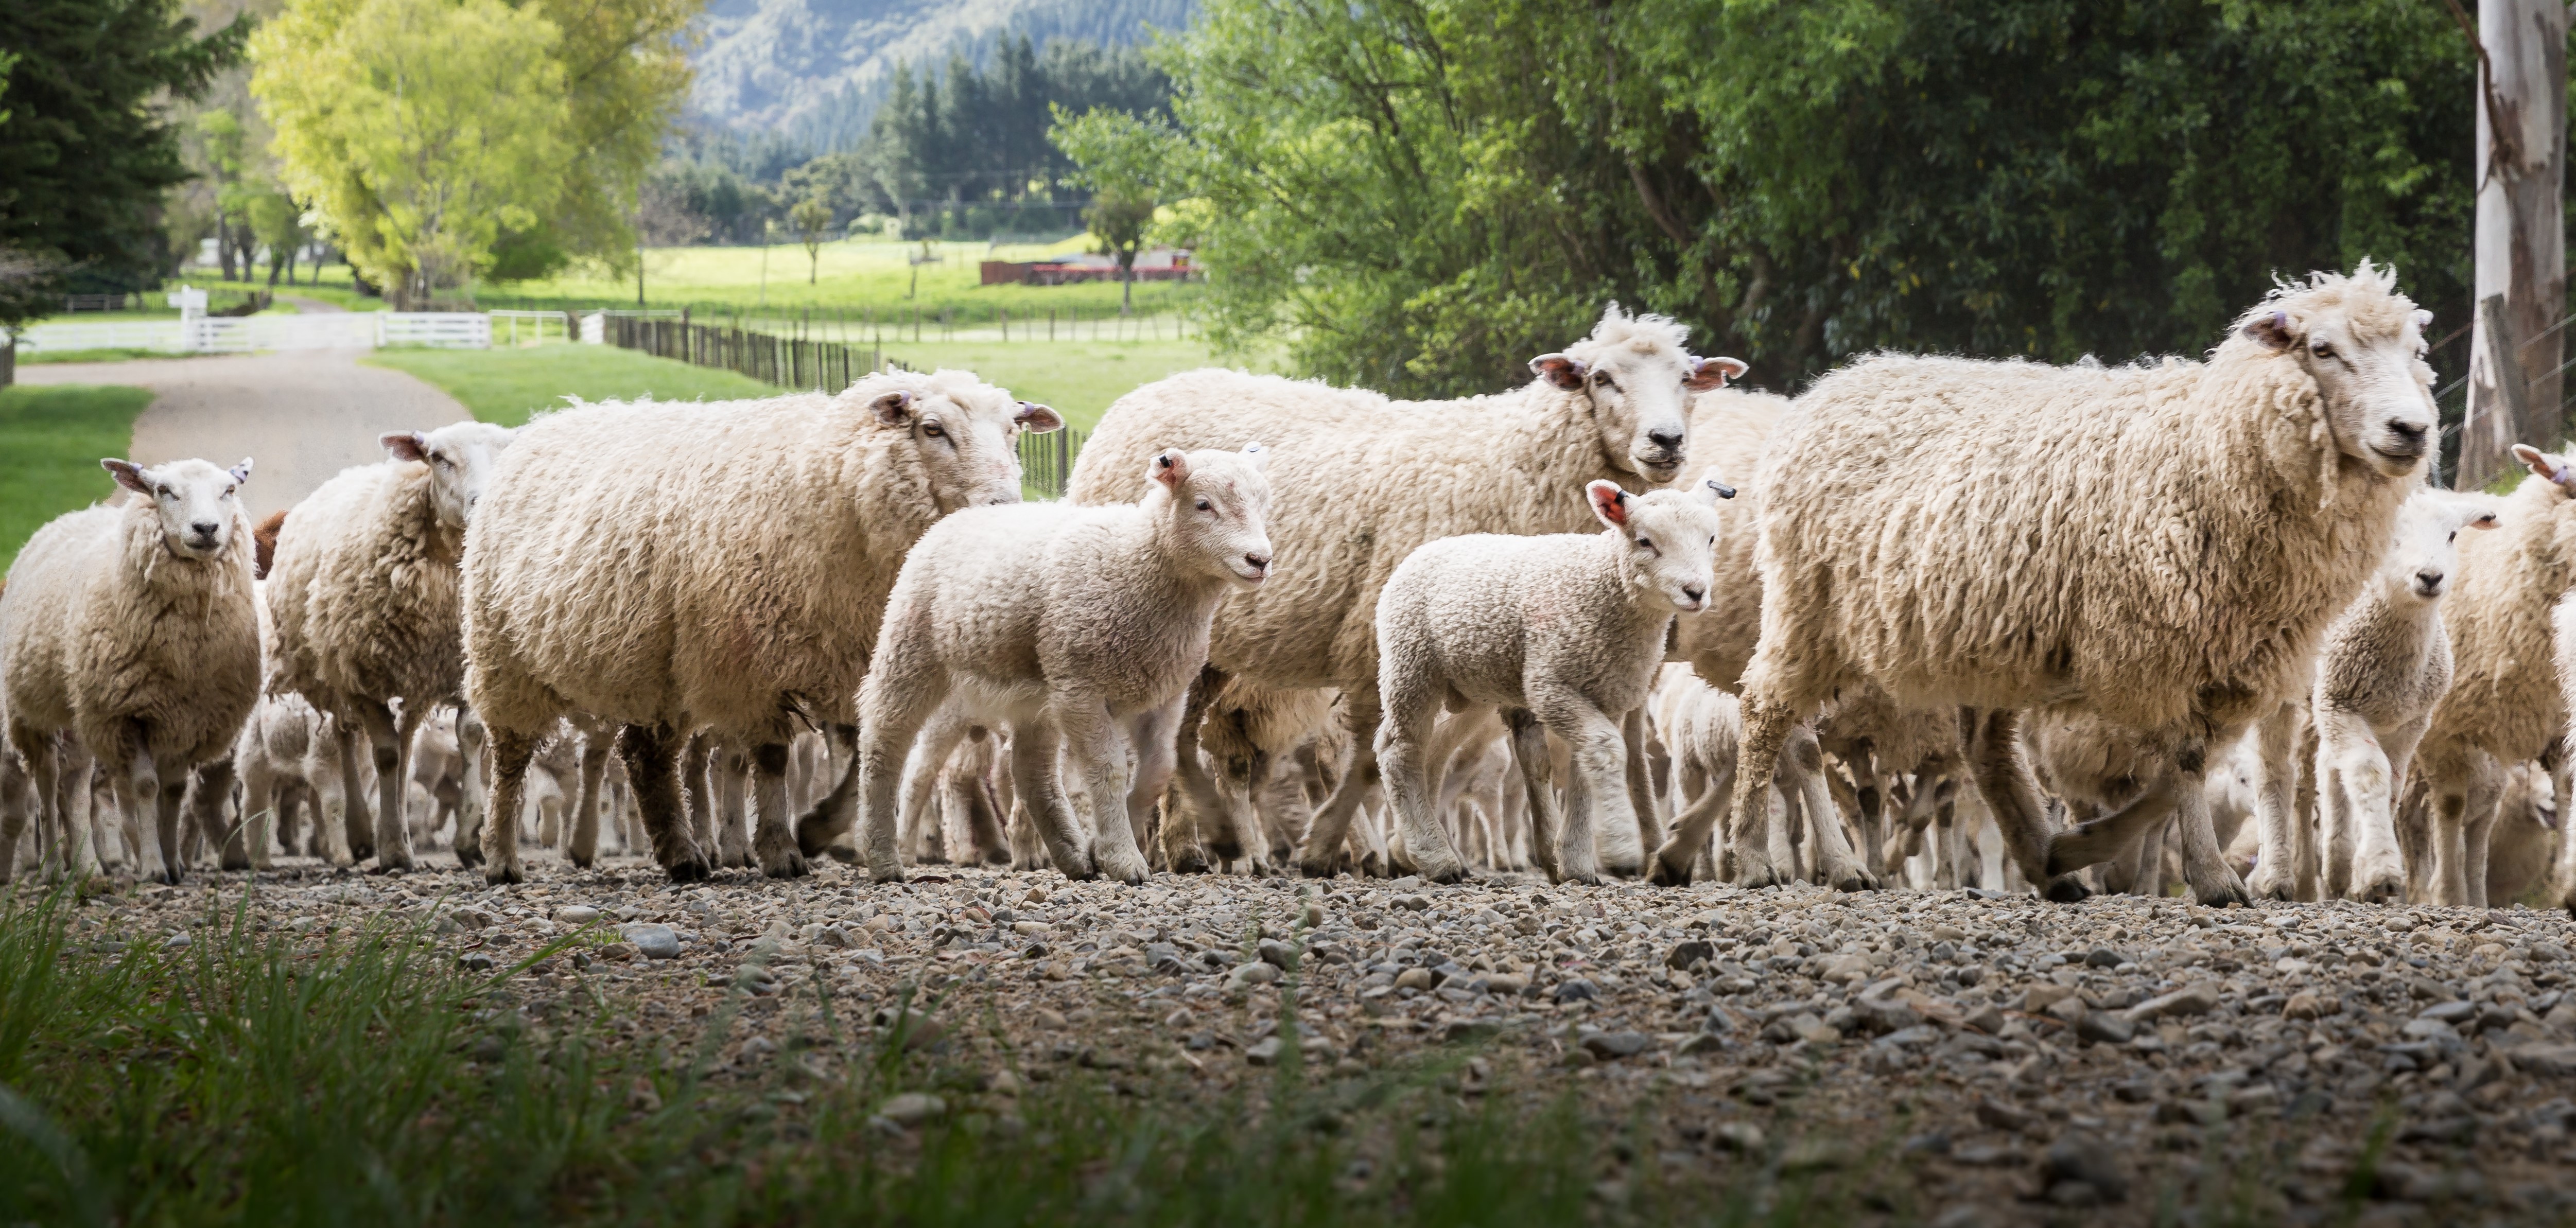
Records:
x=283, y=1079
x=1079, y=380
x=505, y=386
x=51, y=439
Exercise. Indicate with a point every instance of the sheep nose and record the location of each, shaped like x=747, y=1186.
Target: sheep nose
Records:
x=1665, y=438
x=202, y=528
x=1693, y=591
x=2411, y=432
x=2429, y=579
x=1259, y=562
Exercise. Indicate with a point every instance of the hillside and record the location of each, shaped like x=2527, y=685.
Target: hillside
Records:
x=787, y=66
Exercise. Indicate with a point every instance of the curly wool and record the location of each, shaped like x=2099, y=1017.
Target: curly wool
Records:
x=2504, y=698
x=363, y=592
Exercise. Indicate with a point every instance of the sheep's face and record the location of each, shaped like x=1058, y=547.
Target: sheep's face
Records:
x=460, y=458
x=966, y=435
x=1217, y=506
x=196, y=501
x=2424, y=549
x=1667, y=539
x=2370, y=371
x=1639, y=380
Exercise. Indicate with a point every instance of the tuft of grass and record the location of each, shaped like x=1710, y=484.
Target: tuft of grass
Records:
x=51, y=439
x=507, y=386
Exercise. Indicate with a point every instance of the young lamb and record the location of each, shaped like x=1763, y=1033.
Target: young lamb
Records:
x=1567, y=628
x=668, y=567
x=135, y=629
x=364, y=610
x=1061, y=622
x=2386, y=663
x=2503, y=704
x=2161, y=545
x=1365, y=480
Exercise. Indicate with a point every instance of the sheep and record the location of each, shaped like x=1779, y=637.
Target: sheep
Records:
x=671, y=567
x=287, y=756
x=1365, y=480
x=2161, y=545
x=2503, y=704
x=363, y=604
x=135, y=629
x=1567, y=628
x=2519, y=846
x=2385, y=664
x=1061, y=622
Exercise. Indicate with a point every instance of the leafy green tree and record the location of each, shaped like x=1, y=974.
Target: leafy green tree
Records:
x=812, y=220
x=87, y=150
x=1418, y=194
x=418, y=128
x=277, y=222
x=1125, y=162
x=625, y=75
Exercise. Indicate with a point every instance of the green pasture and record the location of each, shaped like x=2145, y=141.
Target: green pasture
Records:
x=51, y=439
x=863, y=280
x=505, y=386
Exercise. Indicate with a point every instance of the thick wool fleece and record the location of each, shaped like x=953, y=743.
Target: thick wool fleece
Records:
x=1061, y=621
x=363, y=592
x=2160, y=545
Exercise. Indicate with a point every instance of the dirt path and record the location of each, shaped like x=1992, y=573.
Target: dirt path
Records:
x=301, y=416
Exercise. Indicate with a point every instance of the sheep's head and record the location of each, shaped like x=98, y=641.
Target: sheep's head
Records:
x=1639, y=379
x=1668, y=538
x=965, y=432
x=196, y=501
x=461, y=458
x=2424, y=549
x=2363, y=345
x=1217, y=506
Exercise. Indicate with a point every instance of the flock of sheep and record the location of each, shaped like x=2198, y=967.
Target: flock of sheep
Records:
x=1938, y=621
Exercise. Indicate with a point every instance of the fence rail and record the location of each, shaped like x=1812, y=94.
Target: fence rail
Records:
x=783, y=361
x=1046, y=461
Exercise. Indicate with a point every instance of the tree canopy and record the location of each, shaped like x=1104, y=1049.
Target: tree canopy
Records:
x=86, y=151
x=1420, y=194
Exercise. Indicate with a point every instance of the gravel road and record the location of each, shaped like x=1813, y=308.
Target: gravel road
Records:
x=302, y=416
x=1969, y=1060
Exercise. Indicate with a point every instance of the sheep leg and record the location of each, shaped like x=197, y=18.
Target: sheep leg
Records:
x=209, y=787
x=2356, y=799
x=1412, y=704
x=392, y=744
x=43, y=771
x=1710, y=789
x=2447, y=880
x=1155, y=734
x=138, y=797
x=652, y=754
x=2486, y=795
x=834, y=812
x=733, y=838
x=775, y=841
x=1323, y=850
x=15, y=800
x=1833, y=851
x=2011, y=796
x=2100, y=838
x=1621, y=853
x=1099, y=751
x=259, y=806
x=2276, y=874
x=511, y=754
x=1757, y=758
x=471, y=811
x=581, y=844
x=1537, y=768
x=356, y=814
x=991, y=845
x=916, y=823
x=694, y=790
x=2562, y=779
x=1033, y=776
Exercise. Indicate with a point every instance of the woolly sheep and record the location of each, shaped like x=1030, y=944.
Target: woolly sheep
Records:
x=666, y=567
x=1364, y=480
x=1567, y=627
x=287, y=756
x=1061, y=622
x=134, y=628
x=2385, y=665
x=363, y=604
x=2161, y=544
x=2503, y=704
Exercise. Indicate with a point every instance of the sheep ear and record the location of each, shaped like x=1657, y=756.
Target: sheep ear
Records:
x=1257, y=456
x=1171, y=468
x=2275, y=329
x=1608, y=502
x=241, y=472
x=2483, y=520
x=128, y=475
x=1037, y=419
x=2541, y=463
x=2423, y=321
x=893, y=409
x=406, y=445
x=1711, y=374
x=1563, y=370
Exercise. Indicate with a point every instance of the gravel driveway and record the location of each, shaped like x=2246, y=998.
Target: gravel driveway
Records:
x=1961, y=1059
x=302, y=416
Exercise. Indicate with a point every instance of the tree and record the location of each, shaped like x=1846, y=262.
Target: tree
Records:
x=813, y=222
x=1418, y=196
x=663, y=218
x=278, y=223
x=1124, y=160
x=87, y=151
x=625, y=75
x=419, y=129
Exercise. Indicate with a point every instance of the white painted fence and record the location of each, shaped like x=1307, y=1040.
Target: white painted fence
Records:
x=470, y=330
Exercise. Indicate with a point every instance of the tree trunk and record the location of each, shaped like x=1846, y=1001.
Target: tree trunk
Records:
x=8, y=358
x=1126, y=282
x=223, y=245
x=2521, y=244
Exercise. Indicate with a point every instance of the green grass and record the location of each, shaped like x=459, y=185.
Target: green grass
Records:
x=855, y=276
x=108, y=354
x=259, y=1078
x=1079, y=379
x=505, y=386
x=51, y=439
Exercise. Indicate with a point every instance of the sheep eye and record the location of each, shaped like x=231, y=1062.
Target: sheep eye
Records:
x=933, y=430
x=2321, y=349
x=2455, y=535
x=1644, y=544
x=1204, y=506
x=1606, y=381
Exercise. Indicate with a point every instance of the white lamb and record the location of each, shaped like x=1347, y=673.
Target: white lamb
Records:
x=135, y=629
x=1568, y=628
x=1061, y=622
x=364, y=608
x=2386, y=664
x=665, y=568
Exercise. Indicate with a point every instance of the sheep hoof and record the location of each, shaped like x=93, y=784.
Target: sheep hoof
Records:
x=691, y=869
x=1189, y=861
x=1665, y=874
x=1854, y=878
x=391, y=865
x=2220, y=894
x=2066, y=889
x=468, y=856
x=1447, y=872
x=2380, y=891
x=1621, y=867
x=168, y=876
x=789, y=865
x=2273, y=887
x=503, y=873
